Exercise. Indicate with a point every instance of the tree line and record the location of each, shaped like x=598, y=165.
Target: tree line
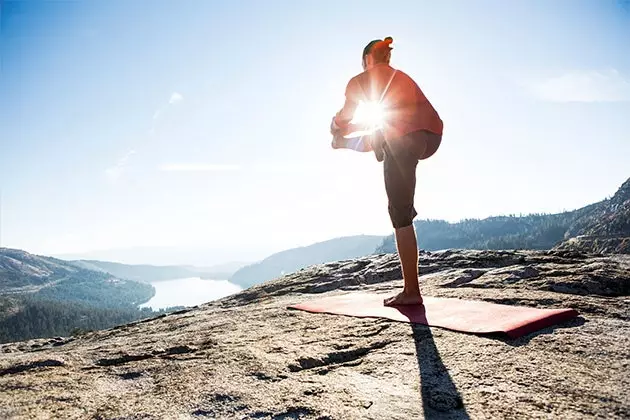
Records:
x=534, y=231
x=23, y=317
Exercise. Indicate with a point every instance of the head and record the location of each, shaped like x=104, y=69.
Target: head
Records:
x=377, y=52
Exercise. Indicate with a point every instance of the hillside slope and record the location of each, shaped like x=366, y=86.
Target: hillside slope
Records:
x=21, y=272
x=43, y=297
x=249, y=357
x=605, y=226
x=288, y=261
x=603, y=229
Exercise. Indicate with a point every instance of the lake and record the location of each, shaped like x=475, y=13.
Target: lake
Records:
x=189, y=292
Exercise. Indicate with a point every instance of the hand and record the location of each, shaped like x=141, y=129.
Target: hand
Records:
x=338, y=142
x=334, y=128
x=356, y=127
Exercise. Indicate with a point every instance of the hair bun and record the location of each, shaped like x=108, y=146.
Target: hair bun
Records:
x=384, y=43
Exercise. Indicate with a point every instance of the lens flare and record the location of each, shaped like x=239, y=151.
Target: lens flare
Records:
x=369, y=116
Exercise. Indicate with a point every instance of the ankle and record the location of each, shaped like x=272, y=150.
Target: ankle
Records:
x=411, y=291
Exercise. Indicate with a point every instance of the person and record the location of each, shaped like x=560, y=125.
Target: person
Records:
x=411, y=131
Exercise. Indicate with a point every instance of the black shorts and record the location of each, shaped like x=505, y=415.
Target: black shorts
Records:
x=400, y=159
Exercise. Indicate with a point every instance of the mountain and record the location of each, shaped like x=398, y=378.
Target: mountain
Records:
x=605, y=228
x=194, y=255
x=44, y=296
x=249, y=357
x=21, y=272
x=600, y=227
x=228, y=267
x=297, y=258
x=152, y=273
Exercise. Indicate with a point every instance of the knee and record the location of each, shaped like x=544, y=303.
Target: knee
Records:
x=401, y=217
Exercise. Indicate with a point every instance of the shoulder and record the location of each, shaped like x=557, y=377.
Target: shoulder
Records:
x=359, y=78
x=407, y=77
x=355, y=83
x=402, y=74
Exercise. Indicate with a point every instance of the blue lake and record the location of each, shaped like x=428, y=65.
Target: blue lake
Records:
x=189, y=292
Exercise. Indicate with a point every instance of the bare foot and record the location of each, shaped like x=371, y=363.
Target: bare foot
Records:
x=404, y=298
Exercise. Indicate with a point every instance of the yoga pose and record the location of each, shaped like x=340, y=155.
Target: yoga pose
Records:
x=403, y=128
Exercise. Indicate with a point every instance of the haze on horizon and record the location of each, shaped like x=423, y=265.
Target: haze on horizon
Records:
x=204, y=125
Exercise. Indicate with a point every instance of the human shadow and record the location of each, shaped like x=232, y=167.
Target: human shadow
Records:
x=440, y=398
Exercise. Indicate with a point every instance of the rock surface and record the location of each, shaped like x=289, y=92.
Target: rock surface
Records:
x=598, y=244
x=604, y=228
x=248, y=357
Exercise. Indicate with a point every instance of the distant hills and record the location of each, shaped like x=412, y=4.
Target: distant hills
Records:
x=600, y=227
x=218, y=257
x=21, y=272
x=152, y=273
x=43, y=296
x=291, y=260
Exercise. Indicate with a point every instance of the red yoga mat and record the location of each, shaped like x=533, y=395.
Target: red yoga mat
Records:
x=455, y=314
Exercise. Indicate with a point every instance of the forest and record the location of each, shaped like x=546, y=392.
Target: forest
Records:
x=535, y=231
x=23, y=317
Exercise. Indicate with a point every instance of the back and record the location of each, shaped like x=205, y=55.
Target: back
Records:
x=408, y=109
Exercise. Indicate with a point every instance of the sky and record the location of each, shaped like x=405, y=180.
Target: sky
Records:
x=205, y=124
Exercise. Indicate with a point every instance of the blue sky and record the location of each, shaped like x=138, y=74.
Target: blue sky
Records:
x=205, y=123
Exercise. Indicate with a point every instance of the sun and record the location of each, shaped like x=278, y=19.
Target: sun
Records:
x=370, y=116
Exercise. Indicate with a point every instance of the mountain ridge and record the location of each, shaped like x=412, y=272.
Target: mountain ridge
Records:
x=608, y=220
x=148, y=273
x=290, y=260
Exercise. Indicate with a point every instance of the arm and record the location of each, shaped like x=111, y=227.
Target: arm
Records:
x=341, y=126
x=341, y=122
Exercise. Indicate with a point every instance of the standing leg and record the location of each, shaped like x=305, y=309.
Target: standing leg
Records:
x=400, y=184
x=408, y=255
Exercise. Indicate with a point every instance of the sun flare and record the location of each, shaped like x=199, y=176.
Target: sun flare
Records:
x=369, y=114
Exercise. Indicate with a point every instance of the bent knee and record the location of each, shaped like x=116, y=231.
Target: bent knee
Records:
x=401, y=216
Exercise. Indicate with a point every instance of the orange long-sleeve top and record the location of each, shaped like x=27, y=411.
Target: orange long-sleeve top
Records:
x=407, y=108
